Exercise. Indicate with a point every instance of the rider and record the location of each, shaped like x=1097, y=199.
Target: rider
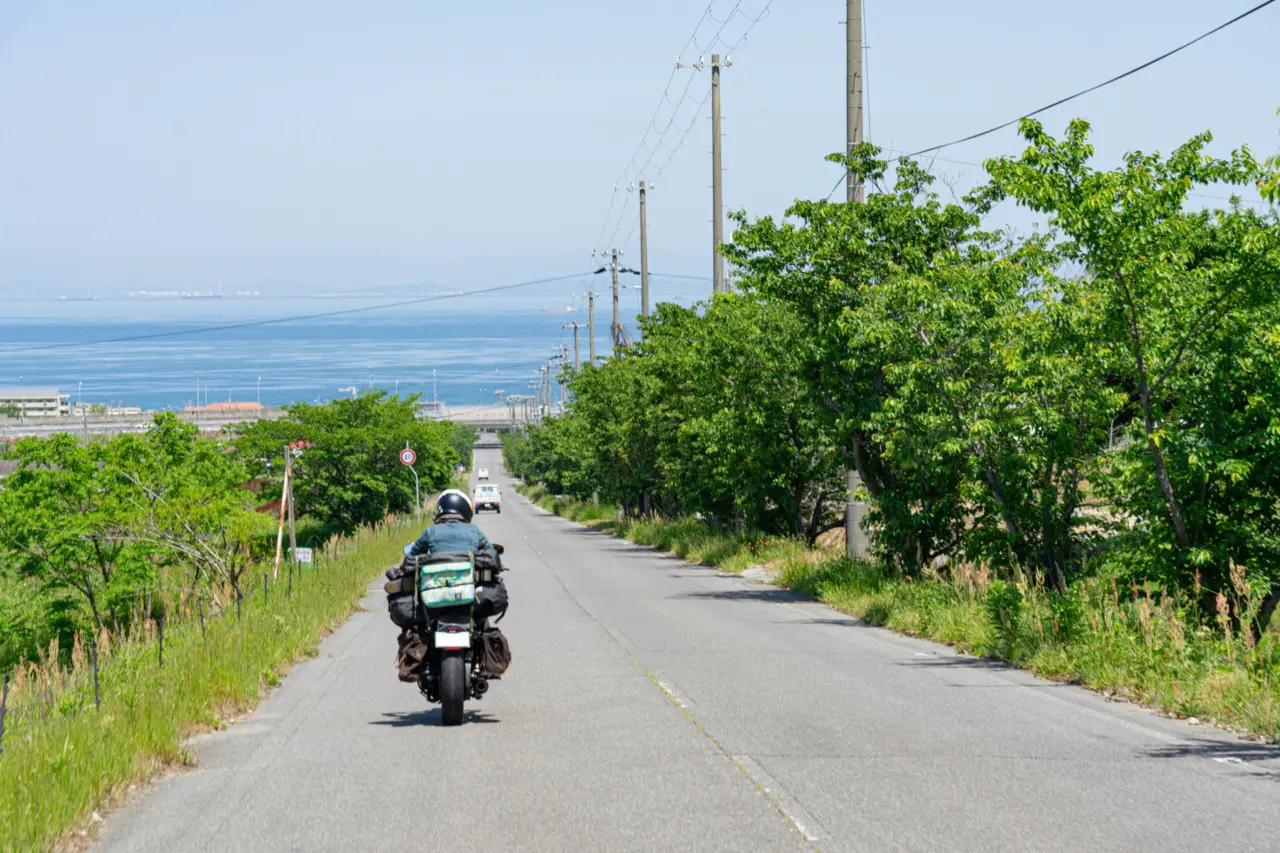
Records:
x=452, y=529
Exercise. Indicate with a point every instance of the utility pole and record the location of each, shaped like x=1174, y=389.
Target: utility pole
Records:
x=644, y=256
x=563, y=359
x=855, y=538
x=293, y=534
x=613, y=266
x=577, y=362
x=284, y=500
x=546, y=380
x=591, y=324
x=717, y=220
x=853, y=88
x=717, y=216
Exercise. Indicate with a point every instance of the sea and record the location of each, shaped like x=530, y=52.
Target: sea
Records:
x=166, y=354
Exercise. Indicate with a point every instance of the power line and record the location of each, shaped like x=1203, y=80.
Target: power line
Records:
x=631, y=171
x=1094, y=88
x=1082, y=92
x=278, y=320
x=674, y=275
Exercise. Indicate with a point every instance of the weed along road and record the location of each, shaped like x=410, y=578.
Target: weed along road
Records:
x=653, y=705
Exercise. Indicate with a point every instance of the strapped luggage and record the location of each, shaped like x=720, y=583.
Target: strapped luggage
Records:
x=400, y=596
x=491, y=599
x=413, y=656
x=445, y=579
x=496, y=651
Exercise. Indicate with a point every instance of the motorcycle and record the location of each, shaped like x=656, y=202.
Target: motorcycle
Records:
x=454, y=597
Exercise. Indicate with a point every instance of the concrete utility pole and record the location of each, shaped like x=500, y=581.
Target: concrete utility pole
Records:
x=546, y=378
x=853, y=88
x=577, y=362
x=855, y=538
x=718, y=284
x=591, y=324
x=644, y=255
x=613, y=267
x=717, y=220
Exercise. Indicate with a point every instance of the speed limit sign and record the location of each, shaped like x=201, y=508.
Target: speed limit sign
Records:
x=408, y=457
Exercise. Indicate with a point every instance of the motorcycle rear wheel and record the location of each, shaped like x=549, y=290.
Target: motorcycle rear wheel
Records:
x=453, y=688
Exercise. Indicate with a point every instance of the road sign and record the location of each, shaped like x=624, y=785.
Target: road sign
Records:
x=408, y=457
x=302, y=555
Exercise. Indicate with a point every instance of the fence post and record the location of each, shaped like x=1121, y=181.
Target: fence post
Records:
x=239, y=616
x=4, y=701
x=160, y=630
x=200, y=610
x=97, y=693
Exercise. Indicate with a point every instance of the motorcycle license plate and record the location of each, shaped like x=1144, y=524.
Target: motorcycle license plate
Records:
x=453, y=639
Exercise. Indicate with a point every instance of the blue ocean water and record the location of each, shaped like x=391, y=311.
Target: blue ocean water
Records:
x=472, y=352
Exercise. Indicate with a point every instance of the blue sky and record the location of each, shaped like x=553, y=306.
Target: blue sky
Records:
x=344, y=143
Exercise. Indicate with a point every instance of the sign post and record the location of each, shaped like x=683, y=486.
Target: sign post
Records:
x=408, y=457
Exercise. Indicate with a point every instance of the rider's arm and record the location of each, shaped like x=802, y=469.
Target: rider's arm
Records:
x=421, y=546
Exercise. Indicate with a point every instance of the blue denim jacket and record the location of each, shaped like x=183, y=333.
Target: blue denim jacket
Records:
x=449, y=535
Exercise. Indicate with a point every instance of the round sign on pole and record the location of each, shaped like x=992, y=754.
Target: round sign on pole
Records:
x=408, y=457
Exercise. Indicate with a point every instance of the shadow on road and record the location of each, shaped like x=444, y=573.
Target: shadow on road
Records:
x=1263, y=759
x=768, y=594
x=962, y=662
x=429, y=717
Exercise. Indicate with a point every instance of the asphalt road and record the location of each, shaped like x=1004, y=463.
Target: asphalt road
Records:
x=655, y=706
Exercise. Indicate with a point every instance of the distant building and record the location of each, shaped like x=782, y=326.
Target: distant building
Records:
x=225, y=408
x=36, y=402
x=431, y=409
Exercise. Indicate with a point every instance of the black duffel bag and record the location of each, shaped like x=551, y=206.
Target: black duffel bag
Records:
x=401, y=594
x=491, y=599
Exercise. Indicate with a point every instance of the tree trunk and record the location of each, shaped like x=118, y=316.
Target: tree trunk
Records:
x=815, y=518
x=1162, y=474
x=860, y=461
x=1268, y=608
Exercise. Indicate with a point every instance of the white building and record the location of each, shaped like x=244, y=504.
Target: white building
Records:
x=36, y=402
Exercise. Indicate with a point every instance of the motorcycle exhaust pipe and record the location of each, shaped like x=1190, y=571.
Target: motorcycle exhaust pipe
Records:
x=479, y=687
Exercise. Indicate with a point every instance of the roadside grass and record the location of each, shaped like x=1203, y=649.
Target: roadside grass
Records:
x=63, y=759
x=1140, y=645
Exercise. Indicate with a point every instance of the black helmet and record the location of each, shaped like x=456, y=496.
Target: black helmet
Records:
x=453, y=502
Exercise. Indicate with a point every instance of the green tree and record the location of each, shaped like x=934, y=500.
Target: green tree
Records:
x=820, y=262
x=350, y=473
x=185, y=495
x=1171, y=283
x=62, y=524
x=997, y=391
x=463, y=441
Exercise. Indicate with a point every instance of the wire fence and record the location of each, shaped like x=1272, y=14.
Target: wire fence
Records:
x=61, y=686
